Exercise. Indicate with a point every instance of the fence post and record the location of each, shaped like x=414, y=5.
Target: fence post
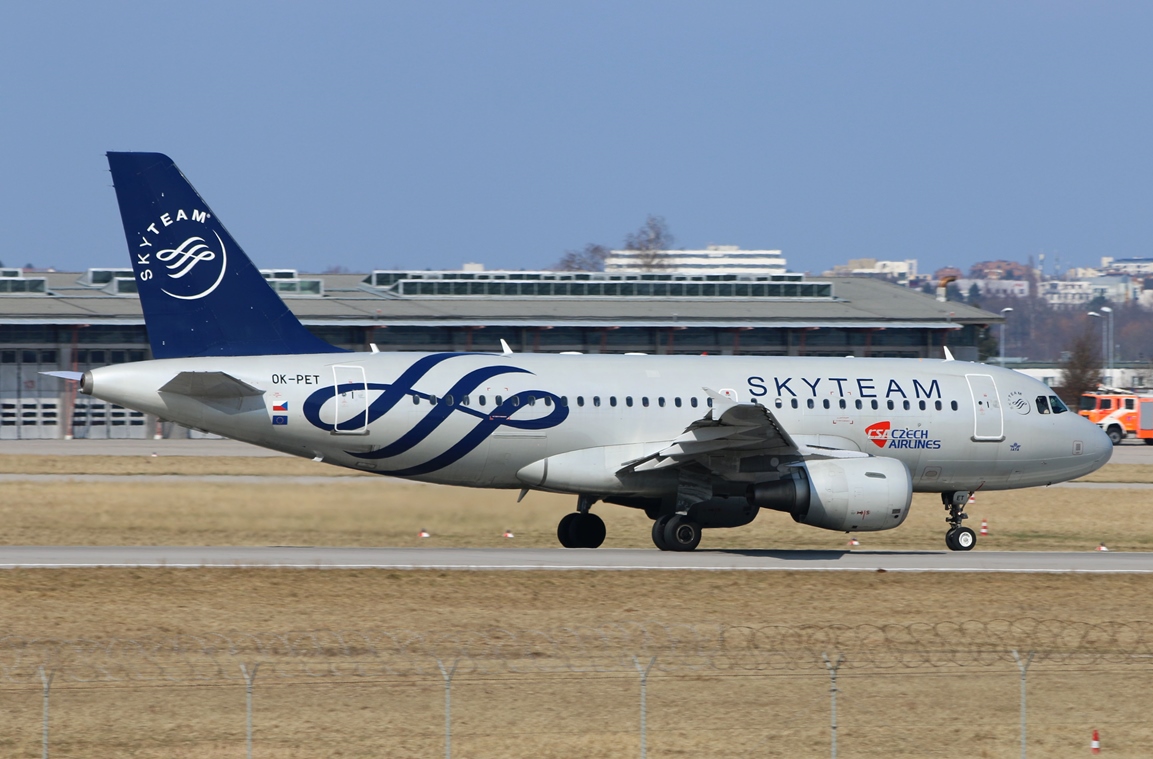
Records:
x=832, y=667
x=249, y=681
x=1024, y=667
x=447, y=675
x=644, y=673
x=46, y=679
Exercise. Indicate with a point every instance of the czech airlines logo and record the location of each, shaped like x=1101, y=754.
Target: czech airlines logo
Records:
x=515, y=411
x=879, y=433
x=189, y=271
x=884, y=435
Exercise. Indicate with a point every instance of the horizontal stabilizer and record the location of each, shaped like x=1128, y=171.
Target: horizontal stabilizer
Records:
x=210, y=385
x=74, y=376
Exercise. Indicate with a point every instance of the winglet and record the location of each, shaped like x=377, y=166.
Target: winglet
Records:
x=721, y=403
x=948, y=353
x=504, y=349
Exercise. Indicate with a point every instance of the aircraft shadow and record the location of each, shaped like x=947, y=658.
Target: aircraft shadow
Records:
x=813, y=555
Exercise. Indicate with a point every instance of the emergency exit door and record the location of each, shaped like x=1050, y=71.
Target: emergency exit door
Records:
x=351, y=401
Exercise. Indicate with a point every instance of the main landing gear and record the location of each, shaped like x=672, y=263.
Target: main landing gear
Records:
x=676, y=532
x=958, y=538
x=581, y=529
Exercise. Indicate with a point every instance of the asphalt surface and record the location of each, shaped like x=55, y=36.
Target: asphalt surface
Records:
x=12, y=557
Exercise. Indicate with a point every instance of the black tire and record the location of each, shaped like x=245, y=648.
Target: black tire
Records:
x=589, y=531
x=950, y=539
x=1148, y=440
x=964, y=539
x=565, y=532
x=659, y=532
x=1115, y=435
x=682, y=533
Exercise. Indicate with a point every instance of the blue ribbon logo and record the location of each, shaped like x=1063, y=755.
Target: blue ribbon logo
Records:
x=391, y=394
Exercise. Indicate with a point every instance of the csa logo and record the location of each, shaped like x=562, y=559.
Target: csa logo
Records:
x=879, y=433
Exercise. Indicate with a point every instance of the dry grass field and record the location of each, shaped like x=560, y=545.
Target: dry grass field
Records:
x=946, y=711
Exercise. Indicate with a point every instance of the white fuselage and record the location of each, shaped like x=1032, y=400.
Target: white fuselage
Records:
x=434, y=417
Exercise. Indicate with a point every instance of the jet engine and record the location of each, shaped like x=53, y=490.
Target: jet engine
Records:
x=858, y=494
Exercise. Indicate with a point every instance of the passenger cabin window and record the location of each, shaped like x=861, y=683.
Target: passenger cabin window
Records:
x=874, y=404
x=843, y=404
x=937, y=405
x=564, y=400
x=921, y=405
x=693, y=402
x=905, y=405
x=481, y=400
x=596, y=400
x=677, y=402
x=890, y=405
x=628, y=400
x=612, y=400
x=794, y=402
x=497, y=400
x=860, y=404
x=1057, y=405
x=464, y=400
x=779, y=402
x=825, y=403
x=661, y=402
x=448, y=400
x=810, y=403
x=1042, y=404
x=953, y=405
x=645, y=402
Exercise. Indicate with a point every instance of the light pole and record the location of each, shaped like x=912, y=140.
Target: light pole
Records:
x=1003, y=320
x=1109, y=352
x=1106, y=341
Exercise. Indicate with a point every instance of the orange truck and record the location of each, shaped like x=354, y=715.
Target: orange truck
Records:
x=1120, y=413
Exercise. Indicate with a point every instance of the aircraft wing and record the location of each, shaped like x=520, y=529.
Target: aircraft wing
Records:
x=733, y=437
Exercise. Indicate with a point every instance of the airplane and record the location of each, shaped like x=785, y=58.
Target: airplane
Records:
x=697, y=442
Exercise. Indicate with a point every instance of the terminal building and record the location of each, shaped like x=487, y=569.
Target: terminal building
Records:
x=80, y=320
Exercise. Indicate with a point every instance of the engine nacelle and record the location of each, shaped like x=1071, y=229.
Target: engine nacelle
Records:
x=847, y=495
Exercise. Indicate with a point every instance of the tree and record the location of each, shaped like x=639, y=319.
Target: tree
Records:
x=974, y=298
x=1081, y=370
x=591, y=258
x=650, y=242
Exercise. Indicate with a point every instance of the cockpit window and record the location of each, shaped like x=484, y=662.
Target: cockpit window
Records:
x=1042, y=404
x=1058, y=406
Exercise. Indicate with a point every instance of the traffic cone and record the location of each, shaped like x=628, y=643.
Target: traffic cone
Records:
x=1101, y=547
x=508, y=534
x=1095, y=744
x=972, y=497
x=854, y=542
x=423, y=534
x=984, y=527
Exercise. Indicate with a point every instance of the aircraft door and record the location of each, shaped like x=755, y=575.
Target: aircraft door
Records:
x=351, y=401
x=988, y=424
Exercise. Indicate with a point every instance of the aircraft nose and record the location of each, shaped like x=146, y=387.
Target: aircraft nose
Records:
x=1098, y=446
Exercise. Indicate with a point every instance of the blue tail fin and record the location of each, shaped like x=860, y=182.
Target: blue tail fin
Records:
x=200, y=293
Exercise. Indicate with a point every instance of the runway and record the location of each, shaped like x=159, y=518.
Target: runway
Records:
x=558, y=559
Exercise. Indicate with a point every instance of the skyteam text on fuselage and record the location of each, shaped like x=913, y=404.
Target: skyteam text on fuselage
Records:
x=697, y=442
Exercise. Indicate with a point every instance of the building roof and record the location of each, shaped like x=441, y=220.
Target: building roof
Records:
x=349, y=301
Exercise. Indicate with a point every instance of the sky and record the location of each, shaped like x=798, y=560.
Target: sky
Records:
x=375, y=135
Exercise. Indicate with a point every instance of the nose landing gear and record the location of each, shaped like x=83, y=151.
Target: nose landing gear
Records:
x=581, y=529
x=959, y=537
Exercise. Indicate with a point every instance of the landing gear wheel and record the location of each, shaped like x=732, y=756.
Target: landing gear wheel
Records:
x=589, y=531
x=951, y=540
x=659, y=532
x=564, y=531
x=964, y=539
x=682, y=534
x=581, y=531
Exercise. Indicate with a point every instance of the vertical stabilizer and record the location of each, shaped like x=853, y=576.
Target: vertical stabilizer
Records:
x=200, y=293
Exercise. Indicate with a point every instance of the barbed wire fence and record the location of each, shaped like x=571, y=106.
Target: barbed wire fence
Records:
x=248, y=659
